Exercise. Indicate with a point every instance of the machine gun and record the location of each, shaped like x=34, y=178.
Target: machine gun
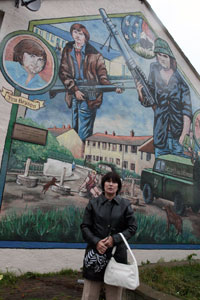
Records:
x=136, y=72
x=90, y=90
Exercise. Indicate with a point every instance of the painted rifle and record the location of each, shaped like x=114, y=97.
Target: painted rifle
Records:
x=136, y=72
x=90, y=90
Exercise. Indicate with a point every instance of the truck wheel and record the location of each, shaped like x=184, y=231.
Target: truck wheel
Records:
x=147, y=193
x=178, y=204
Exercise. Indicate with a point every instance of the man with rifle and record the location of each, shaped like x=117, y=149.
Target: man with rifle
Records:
x=81, y=62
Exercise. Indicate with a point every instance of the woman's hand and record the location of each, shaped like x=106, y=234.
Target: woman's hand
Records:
x=109, y=242
x=101, y=247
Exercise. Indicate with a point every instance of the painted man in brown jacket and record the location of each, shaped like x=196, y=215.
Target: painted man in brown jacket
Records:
x=82, y=62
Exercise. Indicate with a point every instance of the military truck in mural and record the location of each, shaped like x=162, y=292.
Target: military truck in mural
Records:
x=172, y=178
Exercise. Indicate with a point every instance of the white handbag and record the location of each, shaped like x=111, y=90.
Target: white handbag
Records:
x=123, y=275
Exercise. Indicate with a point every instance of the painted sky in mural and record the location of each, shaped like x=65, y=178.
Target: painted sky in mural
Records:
x=138, y=120
x=111, y=103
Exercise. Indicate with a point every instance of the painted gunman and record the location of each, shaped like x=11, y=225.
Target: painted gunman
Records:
x=82, y=63
x=165, y=91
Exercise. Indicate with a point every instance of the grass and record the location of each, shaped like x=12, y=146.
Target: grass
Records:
x=10, y=278
x=181, y=281
x=152, y=230
x=55, y=226
x=63, y=225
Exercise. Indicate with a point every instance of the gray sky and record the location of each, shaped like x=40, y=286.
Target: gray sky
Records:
x=181, y=18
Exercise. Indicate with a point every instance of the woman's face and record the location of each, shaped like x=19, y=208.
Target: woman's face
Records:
x=164, y=60
x=32, y=63
x=110, y=187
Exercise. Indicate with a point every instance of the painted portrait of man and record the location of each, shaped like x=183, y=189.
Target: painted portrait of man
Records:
x=29, y=59
x=27, y=63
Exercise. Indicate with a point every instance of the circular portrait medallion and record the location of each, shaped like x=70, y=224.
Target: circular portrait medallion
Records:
x=28, y=62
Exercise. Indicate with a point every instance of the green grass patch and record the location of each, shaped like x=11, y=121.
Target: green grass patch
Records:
x=53, y=226
x=182, y=281
x=63, y=225
x=152, y=230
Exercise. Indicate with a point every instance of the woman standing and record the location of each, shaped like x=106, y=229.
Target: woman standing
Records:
x=104, y=217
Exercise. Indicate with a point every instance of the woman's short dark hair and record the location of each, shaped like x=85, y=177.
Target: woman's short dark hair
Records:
x=80, y=27
x=111, y=176
x=31, y=47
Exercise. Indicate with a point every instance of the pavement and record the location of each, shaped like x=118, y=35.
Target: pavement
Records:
x=21, y=261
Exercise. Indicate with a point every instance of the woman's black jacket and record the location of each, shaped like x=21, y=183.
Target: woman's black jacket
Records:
x=102, y=218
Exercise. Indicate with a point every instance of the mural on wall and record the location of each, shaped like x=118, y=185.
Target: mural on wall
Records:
x=90, y=95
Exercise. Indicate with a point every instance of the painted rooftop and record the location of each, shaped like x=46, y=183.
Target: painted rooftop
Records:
x=118, y=139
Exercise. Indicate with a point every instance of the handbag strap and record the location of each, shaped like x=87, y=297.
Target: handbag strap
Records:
x=128, y=247
x=113, y=250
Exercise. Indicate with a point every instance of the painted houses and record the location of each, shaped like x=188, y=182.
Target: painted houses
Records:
x=120, y=150
x=146, y=155
x=67, y=137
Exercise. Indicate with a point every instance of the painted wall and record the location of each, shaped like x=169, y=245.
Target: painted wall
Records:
x=34, y=77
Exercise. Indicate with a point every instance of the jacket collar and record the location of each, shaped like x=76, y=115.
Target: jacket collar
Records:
x=89, y=49
x=104, y=199
x=82, y=51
